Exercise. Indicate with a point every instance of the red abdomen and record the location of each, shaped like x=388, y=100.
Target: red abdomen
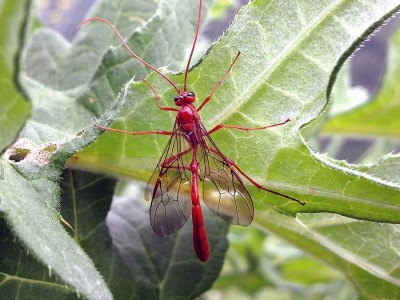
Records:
x=200, y=241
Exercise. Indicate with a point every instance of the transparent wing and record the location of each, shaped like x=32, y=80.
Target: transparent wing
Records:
x=169, y=187
x=223, y=190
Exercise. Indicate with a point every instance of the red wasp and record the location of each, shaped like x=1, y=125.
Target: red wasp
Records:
x=191, y=155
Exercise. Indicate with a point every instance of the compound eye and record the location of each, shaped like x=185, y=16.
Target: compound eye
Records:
x=176, y=98
x=190, y=94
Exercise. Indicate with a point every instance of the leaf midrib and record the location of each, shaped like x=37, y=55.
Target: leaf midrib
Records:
x=9, y=277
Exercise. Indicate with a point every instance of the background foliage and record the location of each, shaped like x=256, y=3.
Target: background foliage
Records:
x=291, y=54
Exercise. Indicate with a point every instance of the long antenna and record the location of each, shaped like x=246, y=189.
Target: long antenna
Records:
x=130, y=50
x=194, y=43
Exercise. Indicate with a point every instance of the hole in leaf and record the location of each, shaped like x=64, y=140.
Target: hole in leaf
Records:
x=18, y=154
x=24, y=151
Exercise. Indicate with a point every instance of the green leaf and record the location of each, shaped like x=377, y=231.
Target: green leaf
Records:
x=29, y=201
x=365, y=252
x=22, y=276
x=14, y=108
x=386, y=168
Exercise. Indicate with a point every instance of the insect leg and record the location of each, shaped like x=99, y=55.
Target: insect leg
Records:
x=158, y=99
x=234, y=167
x=161, y=132
x=220, y=126
x=218, y=83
